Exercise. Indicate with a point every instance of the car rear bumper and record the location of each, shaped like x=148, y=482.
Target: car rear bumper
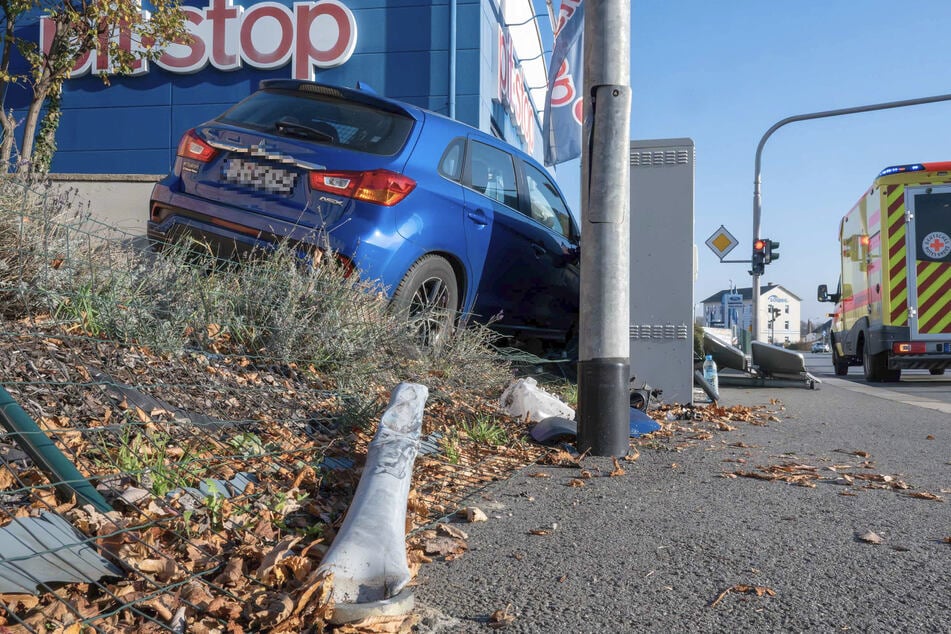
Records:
x=376, y=253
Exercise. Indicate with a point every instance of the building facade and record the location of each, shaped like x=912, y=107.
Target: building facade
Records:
x=479, y=61
x=779, y=313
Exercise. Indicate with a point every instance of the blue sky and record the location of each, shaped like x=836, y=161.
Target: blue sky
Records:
x=723, y=72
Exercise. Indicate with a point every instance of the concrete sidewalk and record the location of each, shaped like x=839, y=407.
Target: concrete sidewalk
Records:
x=652, y=550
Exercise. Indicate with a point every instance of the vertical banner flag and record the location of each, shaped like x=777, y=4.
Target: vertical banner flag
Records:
x=564, y=107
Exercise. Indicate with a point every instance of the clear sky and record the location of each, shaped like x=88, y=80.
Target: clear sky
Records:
x=722, y=72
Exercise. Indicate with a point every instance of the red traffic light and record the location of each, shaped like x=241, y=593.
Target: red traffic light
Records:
x=759, y=245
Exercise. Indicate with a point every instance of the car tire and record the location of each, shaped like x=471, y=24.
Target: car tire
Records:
x=428, y=297
x=839, y=365
x=936, y=371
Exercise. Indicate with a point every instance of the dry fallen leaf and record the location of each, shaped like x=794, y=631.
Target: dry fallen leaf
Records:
x=924, y=495
x=743, y=588
x=576, y=483
x=445, y=546
x=539, y=531
x=618, y=471
x=451, y=531
x=501, y=618
x=870, y=537
x=7, y=479
x=561, y=458
x=475, y=514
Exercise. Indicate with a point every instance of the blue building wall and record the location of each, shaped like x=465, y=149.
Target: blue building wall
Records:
x=133, y=125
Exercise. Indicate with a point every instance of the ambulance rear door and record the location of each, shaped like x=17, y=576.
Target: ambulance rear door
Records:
x=928, y=254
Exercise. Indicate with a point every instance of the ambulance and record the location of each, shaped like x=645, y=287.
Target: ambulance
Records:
x=893, y=301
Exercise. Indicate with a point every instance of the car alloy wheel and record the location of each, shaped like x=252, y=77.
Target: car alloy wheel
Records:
x=429, y=297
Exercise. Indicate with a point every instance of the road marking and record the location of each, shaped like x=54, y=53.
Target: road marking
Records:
x=890, y=395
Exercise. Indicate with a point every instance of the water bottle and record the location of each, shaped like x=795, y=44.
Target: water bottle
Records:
x=710, y=373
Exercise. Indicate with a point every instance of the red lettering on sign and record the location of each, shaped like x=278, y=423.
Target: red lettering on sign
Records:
x=278, y=55
x=220, y=13
x=563, y=90
x=196, y=58
x=267, y=35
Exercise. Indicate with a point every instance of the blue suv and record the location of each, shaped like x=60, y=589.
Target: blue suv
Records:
x=451, y=220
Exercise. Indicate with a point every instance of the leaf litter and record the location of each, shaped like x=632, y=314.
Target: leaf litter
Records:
x=760, y=591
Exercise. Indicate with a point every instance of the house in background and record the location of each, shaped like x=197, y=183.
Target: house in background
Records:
x=779, y=312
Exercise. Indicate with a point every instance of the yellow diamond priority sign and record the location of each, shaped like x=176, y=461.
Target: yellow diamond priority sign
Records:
x=721, y=242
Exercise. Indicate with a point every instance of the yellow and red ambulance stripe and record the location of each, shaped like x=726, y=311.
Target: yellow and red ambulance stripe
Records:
x=934, y=297
x=896, y=300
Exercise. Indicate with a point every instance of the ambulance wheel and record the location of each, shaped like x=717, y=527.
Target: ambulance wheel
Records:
x=876, y=367
x=840, y=365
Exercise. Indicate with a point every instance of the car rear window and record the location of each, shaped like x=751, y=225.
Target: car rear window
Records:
x=323, y=119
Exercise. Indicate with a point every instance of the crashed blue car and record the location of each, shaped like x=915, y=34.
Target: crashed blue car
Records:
x=451, y=220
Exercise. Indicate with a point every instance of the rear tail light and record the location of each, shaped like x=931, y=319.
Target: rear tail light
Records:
x=909, y=347
x=382, y=187
x=194, y=147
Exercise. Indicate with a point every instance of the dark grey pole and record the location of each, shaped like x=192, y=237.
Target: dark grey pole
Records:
x=757, y=202
x=604, y=346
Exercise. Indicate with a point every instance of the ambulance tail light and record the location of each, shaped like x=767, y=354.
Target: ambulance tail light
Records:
x=909, y=347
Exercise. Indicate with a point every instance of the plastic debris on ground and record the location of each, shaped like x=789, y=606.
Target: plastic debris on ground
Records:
x=555, y=427
x=524, y=399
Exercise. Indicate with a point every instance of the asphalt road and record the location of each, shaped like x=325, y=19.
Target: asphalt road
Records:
x=914, y=384
x=650, y=551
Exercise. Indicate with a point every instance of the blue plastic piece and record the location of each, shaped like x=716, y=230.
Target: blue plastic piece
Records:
x=555, y=427
x=642, y=424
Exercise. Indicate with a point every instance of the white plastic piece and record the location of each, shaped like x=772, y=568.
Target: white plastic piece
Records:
x=524, y=399
x=368, y=555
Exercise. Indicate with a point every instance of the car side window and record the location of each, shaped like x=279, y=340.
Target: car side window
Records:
x=450, y=165
x=492, y=172
x=547, y=207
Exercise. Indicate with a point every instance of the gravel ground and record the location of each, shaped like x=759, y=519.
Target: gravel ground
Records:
x=652, y=550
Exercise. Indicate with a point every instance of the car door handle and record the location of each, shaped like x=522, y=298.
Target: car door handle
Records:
x=478, y=216
x=538, y=249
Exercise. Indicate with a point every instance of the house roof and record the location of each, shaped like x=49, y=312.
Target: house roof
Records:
x=747, y=293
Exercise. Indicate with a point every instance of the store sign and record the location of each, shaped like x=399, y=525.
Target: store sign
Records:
x=512, y=92
x=264, y=35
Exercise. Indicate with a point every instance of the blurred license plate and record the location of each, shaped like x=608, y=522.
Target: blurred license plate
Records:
x=259, y=176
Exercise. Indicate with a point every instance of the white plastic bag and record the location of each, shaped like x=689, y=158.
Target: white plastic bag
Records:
x=524, y=399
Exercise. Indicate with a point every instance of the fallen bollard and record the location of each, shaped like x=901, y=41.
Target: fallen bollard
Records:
x=368, y=556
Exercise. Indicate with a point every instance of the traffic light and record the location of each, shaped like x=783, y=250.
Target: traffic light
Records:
x=771, y=250
x=759, y=257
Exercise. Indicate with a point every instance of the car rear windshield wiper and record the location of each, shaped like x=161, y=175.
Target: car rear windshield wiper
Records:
x=287, y=126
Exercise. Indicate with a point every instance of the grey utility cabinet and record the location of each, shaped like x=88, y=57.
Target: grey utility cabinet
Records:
x=662, y=267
